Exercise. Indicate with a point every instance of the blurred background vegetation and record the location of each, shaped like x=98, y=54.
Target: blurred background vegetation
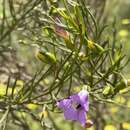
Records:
x=21, y=31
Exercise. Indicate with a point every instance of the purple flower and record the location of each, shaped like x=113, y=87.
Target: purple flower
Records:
x=76, y=107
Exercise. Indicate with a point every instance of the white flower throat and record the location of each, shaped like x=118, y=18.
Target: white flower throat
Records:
x=76, y=105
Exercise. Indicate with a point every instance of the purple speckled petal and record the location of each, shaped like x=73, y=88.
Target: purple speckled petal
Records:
x=86, y=106
x=76, y=107
x=71, y=114
x=64, y=104
x=83, y=95
x=82, y=117
x=75, y=98
x=81, y=98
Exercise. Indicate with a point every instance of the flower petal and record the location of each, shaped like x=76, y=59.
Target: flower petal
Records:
x=71, y=114
x=82, y=99
x=83, y=95
x=82, y=117
x=64, y=104
x=86, y=106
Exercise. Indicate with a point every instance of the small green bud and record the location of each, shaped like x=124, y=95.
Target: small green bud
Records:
x=108, y=90
x=98, y=47
x=128, y=82
x=121, y=85
x=95, y=48
x=46, y=57
x=66, y=65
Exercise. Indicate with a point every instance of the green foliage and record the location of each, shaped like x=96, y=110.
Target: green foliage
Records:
x=78, y=48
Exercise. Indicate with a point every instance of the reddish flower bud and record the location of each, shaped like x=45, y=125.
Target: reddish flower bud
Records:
x=61, y=32
x=89, y=124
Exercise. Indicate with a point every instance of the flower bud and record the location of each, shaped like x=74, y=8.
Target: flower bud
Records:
x=61, y=32
x=95, y=48
x=108, y=90
x=46, y=57
x=121, y=85
x=99, y=48
x=43, y=114
x=65, y=35
x=90, y=44
x=32, y=106
x=89, y=124
x=128, y=82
